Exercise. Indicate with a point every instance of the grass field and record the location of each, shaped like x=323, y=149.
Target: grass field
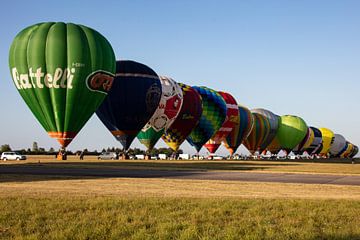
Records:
x=60, y=207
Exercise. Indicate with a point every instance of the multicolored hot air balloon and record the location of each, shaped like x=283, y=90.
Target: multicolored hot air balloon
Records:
x=305, y=143
x=328, y=139
x=241, y=130
x=132, y=101
x=316, y=144
x=258, y=134
x=274, y=125
x=338, y=144
x=166, y=113
x=186, y=120
x=212, y=117
x=292, y=130
x=232, y=118
x=63, y=71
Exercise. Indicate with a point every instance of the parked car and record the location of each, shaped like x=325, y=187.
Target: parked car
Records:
x=12, y=156
x=107, y=156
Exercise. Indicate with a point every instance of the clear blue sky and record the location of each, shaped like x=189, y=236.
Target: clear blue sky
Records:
x=291, y=57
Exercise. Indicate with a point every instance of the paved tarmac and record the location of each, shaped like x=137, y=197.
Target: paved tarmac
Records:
x=99, y=172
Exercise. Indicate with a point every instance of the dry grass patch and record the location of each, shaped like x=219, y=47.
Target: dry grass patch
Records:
x=13, y=185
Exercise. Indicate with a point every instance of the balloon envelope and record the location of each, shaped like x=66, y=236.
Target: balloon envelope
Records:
x=328, y=139
x=132, y=101
x=274, y=125
x=258, y=134
x=63, y=71
x=316, y=143
x=291, y=132
x=165, y=114
x=305, y=143
x=240, y=131
x=338, y=144
x=354, y=151
x=187, y=119
x=348, y=150
x=212, y=117
x=232, y=118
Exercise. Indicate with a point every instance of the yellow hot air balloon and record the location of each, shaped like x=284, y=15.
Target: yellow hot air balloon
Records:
x=328, y=139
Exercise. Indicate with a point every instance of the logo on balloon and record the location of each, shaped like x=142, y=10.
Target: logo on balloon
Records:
x=100, y=81
x=152, y=95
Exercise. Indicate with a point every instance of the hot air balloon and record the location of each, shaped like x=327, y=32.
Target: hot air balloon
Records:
x=132, y=101
x=328, y=139
x=291, y=132
x=232, y=118
x=258, y=134
x=348, y=150
x=187, y=119
x=316, y=144
x=241, y=130
x=305, y=143
x=274, y=125
x=63, y=71
x=166, y=113
x=212, y=117
x=354, y=151
x=338, y=144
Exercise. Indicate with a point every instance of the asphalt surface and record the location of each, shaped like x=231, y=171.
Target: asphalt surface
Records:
x=76, y=172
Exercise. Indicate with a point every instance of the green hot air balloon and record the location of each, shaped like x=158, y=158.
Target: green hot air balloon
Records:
x=63, y=72
x=212, y=117
x=292, y=130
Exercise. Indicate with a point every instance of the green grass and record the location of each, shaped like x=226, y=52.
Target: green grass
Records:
x=66, y=217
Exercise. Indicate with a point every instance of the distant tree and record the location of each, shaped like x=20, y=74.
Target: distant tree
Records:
x=51, y=150
x=5, y=148
x=35, y=147
x=42, y=150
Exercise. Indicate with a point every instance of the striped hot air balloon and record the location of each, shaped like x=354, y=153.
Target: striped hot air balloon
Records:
x=258, y=134
x=241, y=130
x=315, y=145
x=274, y=125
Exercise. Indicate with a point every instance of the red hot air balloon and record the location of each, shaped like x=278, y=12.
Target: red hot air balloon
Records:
x=232, y=118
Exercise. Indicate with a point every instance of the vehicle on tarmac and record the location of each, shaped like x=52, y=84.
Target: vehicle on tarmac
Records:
x=12, y=156
x=107, y=156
